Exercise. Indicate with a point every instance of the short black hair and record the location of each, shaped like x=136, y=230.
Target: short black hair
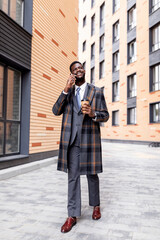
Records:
x=73, y=64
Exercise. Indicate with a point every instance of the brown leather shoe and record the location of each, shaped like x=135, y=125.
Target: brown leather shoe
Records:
x=96, y=213
x=69, y=223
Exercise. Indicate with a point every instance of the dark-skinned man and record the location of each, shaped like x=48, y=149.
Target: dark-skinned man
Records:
x=80, y=143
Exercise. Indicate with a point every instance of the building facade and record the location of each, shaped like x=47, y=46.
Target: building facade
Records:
x=38, y=41
x=119, y=46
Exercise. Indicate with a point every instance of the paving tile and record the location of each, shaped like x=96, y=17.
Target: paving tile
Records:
x=33, y=205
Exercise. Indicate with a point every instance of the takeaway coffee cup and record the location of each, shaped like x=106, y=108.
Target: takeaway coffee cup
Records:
x=83, y=102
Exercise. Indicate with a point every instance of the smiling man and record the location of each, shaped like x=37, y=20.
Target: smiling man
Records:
x=80, y=143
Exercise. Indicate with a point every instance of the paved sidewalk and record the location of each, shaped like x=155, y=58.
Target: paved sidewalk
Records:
x=33, y=205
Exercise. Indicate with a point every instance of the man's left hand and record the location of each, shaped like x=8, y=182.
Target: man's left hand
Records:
x=86, y=108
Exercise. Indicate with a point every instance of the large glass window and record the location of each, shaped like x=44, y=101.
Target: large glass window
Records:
x=102, y=12
x=132, y=18
x=116, y=31
x=132, y=86
x=155, y=38
x=132, y=51
x=10, y=111
x=116, y=61
x=116, y=91
x=155, y=78
x=131, y=116
x=14, y=8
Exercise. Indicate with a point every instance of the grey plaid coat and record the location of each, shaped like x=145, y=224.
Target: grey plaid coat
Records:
x=90, y=146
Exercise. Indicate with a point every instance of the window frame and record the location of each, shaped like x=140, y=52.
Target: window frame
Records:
x=114, y=118
x=115, y=94
x=152, y=80
x=92, y=79
x=102, y=49
x=116, y=65
x=9, y=12
x=132, y=51
x=84, y=46
x=155, y=35
x=116, y=36
x=129, y=117
x=155, y=6
x=102, y=15
x=102, y=73
x=132, y=24
x=116, y=5
x=4, y=119
x=152, y=112
x=93, y=19
x=132, y=92
x=93, y=51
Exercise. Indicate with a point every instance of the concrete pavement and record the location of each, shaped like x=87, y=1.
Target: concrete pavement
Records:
x=33, y=205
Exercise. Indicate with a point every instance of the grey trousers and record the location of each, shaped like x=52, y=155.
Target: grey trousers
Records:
x=74, y=188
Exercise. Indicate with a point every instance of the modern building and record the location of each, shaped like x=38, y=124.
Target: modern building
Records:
x=119, y=45
x=38, y=41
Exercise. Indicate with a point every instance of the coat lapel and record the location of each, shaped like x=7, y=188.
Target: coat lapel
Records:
x=90, y=92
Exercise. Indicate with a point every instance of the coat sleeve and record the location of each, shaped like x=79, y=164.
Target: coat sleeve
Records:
x=102, y=114
x=59, y=106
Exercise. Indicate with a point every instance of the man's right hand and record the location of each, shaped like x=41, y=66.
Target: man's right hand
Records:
x=70, y=83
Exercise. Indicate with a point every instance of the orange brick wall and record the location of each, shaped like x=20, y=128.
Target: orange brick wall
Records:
x=54, y=47
x=142, y=131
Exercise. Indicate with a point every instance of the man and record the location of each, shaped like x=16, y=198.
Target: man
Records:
x=80, y=143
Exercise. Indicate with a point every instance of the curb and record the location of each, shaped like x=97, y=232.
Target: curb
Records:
x=25, y=168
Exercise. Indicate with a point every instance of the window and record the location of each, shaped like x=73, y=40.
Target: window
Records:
x=115, y=118
x=155, y=38
x=132, y=18
x=132, y=86
x=155, y=5
x=131, y=116
x=10, y=111
x=92, y=51
x=116, y=91
x=92, y=3
x=132, y=51
x=116, y=61
x=155, y=112
x=155, y=78
x=116, y=31
x=101, y=45
x=84, y=21
x=84, y=65
x=101, y=69
x=84, y=46
x=14, y=8
x=93, y=75
x=116, y=5
x=93, y=25
x=102, y=10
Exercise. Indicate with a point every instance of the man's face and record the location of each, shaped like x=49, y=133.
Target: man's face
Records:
x=79, y=72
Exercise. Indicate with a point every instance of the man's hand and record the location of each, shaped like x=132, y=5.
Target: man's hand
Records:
x=86, y=108
x=70, y=82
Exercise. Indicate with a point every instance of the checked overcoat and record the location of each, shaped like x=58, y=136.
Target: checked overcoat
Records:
x=90, y=142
